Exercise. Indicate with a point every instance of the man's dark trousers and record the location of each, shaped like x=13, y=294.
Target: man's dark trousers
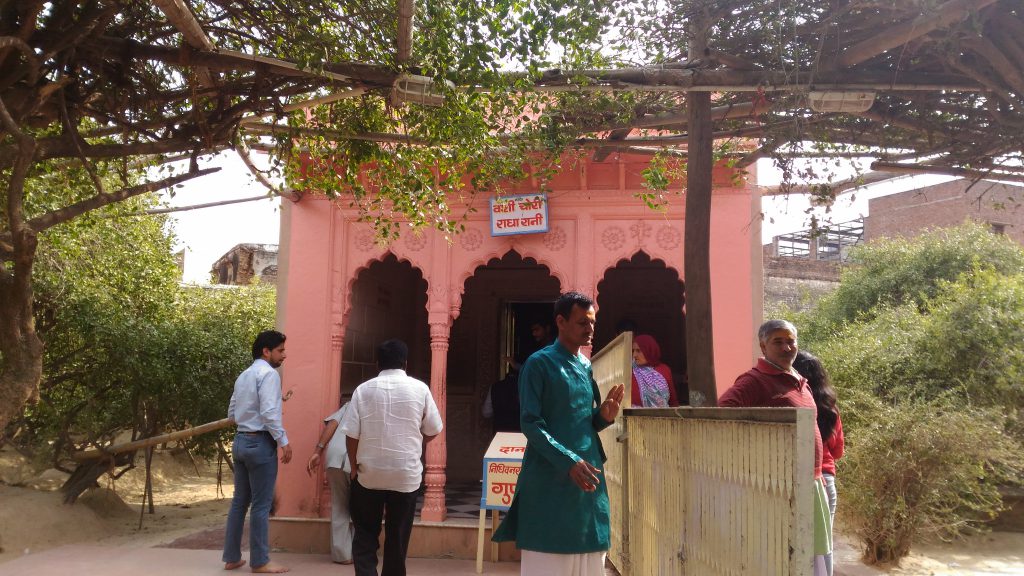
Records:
x=368, y=509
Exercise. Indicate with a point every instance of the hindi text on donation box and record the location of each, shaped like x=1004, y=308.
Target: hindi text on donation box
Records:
x=502, y=462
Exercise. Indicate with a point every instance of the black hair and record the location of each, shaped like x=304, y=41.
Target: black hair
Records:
x=542, y=322
x=267, y=339
x=392, y=354
x=566, y=302
x=824, y=394
x=626, y=325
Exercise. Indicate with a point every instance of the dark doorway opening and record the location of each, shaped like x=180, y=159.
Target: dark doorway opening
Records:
x=526, y=328
x=389, y=300
x=646, y=297
x=491, y=327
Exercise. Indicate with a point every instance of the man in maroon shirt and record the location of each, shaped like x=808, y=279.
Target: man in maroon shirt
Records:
x=773, y=382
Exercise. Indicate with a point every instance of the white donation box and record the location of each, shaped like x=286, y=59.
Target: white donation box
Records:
x=502, y=462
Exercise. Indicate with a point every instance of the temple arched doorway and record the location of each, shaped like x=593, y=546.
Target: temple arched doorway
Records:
x=500, y=302
x=388, y=300
x=647, y=297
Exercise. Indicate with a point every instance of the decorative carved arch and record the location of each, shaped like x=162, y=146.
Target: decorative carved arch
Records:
x=353, y=276
x=497, y=252
x=656, y=260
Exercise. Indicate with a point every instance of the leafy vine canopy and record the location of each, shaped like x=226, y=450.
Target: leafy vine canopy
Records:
x=407, y=108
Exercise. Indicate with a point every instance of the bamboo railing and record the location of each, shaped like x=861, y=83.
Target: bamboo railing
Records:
x=96, y=454
x=613, y=365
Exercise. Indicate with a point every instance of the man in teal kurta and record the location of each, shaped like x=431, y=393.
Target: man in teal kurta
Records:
x=560, y=514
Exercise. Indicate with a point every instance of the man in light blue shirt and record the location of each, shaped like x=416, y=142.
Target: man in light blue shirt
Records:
x=256, y=409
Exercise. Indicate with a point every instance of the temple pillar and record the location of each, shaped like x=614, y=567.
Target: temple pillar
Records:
x=434, y=508
x=439, y=318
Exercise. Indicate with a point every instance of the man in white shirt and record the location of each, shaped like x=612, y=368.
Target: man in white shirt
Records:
x=256, y=409
x=338, y=473
x=388, y=419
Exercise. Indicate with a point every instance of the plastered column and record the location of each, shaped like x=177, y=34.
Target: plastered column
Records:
x=434, y=508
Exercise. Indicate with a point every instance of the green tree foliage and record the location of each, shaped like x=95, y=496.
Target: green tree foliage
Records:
x=927, y=353
x=128, y=348
x=899, y=271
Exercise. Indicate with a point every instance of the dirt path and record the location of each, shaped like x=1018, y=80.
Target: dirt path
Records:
x=185, y=501
x=190, y=515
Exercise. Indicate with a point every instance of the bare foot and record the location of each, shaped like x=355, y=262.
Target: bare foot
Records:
x=270, y=568
x=233, y=565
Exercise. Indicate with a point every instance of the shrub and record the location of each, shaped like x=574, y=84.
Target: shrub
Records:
x=923, y=468
x=897, y=271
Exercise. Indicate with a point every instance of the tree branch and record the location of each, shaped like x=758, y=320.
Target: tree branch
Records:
x=997, y=59
x=837, y=188
x=7, y=42
x=899, y=34
x=155, y=211
x=55, y=217
x=946, y=170
x=243, y=152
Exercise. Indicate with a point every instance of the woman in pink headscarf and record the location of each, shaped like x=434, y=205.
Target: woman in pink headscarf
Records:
x=652, y=379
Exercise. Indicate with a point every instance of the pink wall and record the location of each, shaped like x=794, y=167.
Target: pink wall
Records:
x=306, y=372
x=595, y=221
x=733, y=296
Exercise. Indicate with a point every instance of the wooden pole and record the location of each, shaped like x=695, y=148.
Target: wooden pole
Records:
x=700, y=357
x=406, y=10
x=902, y=33
x=895, y=168
x=88, y=455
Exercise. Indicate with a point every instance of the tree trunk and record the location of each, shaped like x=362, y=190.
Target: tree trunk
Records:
x=700, y=356
x=21, y=350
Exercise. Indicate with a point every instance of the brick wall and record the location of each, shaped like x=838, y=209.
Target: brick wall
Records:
x=946, y=205
x=798, y=283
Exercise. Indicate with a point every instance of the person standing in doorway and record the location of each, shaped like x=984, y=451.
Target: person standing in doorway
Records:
x=652, y=385
x=338, y=473
x=560, y=515
x=387, y=421
x=502, y=402
x=541, y=331
x=256, y=409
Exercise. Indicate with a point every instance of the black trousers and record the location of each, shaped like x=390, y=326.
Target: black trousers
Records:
x=368, y=508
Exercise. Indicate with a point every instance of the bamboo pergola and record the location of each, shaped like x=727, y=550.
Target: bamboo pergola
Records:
x=942, y=80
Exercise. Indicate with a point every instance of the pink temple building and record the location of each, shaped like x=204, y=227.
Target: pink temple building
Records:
x=465, y=303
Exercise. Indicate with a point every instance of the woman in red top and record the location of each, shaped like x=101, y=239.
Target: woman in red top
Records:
x=829, y=424
x=652, y=379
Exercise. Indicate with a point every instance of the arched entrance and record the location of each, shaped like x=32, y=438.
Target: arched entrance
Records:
x=649, y=295
x=499, y=303
x=388, y=300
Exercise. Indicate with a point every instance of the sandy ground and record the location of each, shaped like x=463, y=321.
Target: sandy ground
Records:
x=189, y=512
x=996, y=553
x=35, y=519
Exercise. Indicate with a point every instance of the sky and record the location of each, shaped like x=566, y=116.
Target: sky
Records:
x=208, y=233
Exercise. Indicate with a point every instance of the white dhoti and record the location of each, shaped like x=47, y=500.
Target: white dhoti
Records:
x=341, y=520
x=546, y=564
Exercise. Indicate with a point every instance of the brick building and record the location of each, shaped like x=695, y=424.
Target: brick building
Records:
x=797, y=283
x=946, y=205
x=239, y=265
x=801, y=267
